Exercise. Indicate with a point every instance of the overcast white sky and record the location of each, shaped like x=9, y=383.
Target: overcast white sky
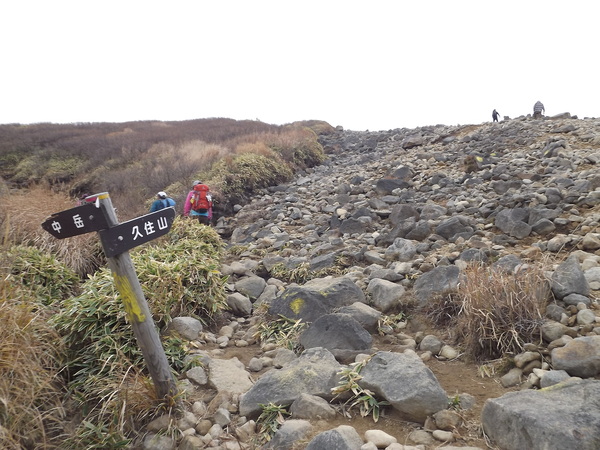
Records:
x=371, y=65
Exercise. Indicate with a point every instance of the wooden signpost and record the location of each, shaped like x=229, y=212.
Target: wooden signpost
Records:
x=99, y=215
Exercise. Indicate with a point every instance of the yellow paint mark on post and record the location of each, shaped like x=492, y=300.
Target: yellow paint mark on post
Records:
x=296, y=305
x=132, y=307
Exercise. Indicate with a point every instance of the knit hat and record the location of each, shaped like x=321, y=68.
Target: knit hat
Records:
x=162, y=194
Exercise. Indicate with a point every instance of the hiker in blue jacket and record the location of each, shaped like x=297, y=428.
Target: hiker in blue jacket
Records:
x=162, y=201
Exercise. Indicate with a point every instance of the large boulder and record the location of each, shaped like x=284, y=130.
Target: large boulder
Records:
x=316, y=298
x=406, y=383
x=563, y=416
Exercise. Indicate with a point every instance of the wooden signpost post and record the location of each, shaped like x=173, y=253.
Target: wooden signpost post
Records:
x=99, y=215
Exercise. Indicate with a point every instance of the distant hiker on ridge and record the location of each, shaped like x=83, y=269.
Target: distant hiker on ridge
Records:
x=538, y=110
x=495, y=115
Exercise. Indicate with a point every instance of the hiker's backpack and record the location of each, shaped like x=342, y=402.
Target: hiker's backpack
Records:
x=201, y=199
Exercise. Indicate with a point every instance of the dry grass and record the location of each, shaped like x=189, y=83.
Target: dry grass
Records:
x=21, y=217
x=31, y=413
x=494, y=313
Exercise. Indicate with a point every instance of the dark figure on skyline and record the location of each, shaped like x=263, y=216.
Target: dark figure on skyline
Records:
x=538, y=110
x=495, y=115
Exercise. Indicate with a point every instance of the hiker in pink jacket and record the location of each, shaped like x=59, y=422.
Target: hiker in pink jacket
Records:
x=202, y=213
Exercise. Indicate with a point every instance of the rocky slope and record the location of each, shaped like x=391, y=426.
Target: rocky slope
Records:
x=404, y=213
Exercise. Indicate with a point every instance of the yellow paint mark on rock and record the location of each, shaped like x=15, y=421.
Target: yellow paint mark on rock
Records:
x=296, y=305
x=132, y=307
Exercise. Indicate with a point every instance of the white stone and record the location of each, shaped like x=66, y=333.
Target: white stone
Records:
x=380, y=438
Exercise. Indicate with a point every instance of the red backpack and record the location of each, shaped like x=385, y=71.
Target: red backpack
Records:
x=201, y=199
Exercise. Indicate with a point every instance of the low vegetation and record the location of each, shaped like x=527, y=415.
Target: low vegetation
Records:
x=358, y=397
x=269, y=421
x=493, y=313
x=134, y=160
x=283, y=332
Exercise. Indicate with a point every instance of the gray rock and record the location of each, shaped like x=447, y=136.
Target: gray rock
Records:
x=543, y=227
x=555, y=312
x=283, y=356
x=366, y=316
x=592, y=275
x=352, y=225
x=453, y=226
x=197, y=375
x=311, y=407
x=344, y=437
x=252, y=287
x=586, y=317
x=554, y=330
x=432, y=212
x=507, y=263
x=431, y=343
x=552, y=377
x=406, y=383
x=579, y=357
x=323, y=261
x=186, y=327
x=385, y=295
x=512, y=378
x=228, y=375
x=568, y=278
x=575, y=299
x=336, y=332
x=290, y=432
x=514, y=222
x=400, y=213
x=380, y=438
x=437, y=281
x=473, y=255
x=159, y=442
x=268, y=295
x=314, y=372
x=316, y=298
x=401, y=250
x=530, y=419
x=239, y=304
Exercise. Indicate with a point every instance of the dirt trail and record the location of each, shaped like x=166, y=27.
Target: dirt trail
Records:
x=456, y=377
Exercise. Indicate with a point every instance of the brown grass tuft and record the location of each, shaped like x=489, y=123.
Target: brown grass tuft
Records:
x=21, y=217
x=493, y=312
x=31, y=414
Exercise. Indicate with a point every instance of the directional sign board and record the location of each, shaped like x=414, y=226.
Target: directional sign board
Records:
x=75, y=221
x=140, y=230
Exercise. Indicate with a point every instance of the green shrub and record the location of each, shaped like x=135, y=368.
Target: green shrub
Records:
x=283, y=332
x=48, y=280
x=269, y=421
x=238, y=176
x=179, y=276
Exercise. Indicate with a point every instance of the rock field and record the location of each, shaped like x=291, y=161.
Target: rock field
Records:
x=404, y=213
